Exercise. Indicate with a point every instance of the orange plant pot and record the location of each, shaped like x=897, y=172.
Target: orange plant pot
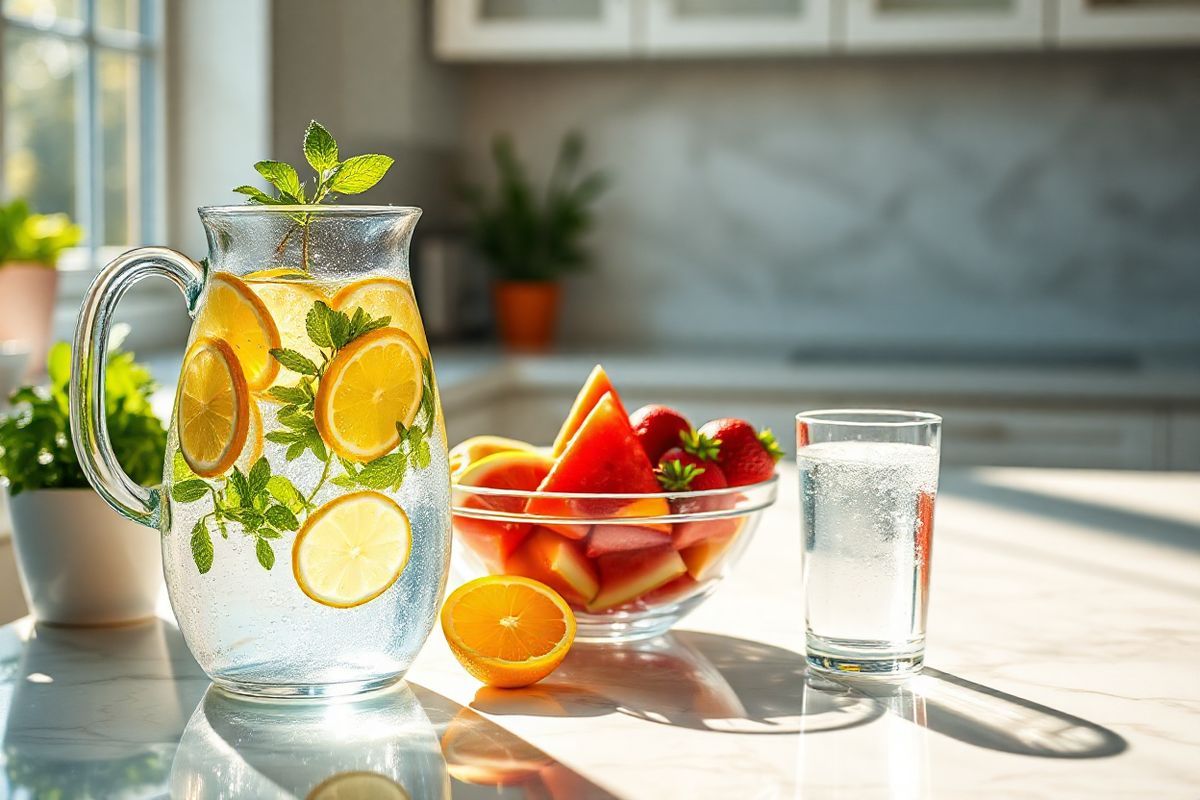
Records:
x=27, y=294
x=527, y=312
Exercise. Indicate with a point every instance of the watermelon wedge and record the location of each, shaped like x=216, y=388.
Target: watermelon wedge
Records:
x=595, y=387
x=492, y=540
x=605, y=539
x=557, y=562
x=704, y=558
x=604, y=456
x=627, y=576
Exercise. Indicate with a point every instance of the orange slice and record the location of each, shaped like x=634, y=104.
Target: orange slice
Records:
x=358, y=786
x=388, y=297
x=288, y=303
x=231, y=311
x=468, y=451
x=508, y=631
x=212, y=408
x=373, y=383
x=352, y=549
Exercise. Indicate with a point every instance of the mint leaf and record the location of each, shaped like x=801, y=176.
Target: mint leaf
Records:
x=296, y=420
x=420, y=455
x=345, y=481
x=238, y=481
x=260, y=473
x=258, y=196
x=315, y=444
x=295, y=451
x=248, y=518
x=320, y=149
x=283, y=177
x=284, y=437
x=269, y=533
x=293, y=395
x=384, y=472
x=180, y=471
x=202, y=547
x=280, y=517
x=285, y=492
x=359, y=173
x=339, y=329
x=266, y=556
x=296, y=362
x=189, y=491
x=317, y=324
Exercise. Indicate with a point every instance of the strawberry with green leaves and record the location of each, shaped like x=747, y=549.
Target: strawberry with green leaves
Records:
x=745, y=456
x=692, y=466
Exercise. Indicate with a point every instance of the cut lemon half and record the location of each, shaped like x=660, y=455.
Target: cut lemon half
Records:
x=373, y=383
x=352, y=549
x=288, y=303
x=385, y=297
x=468, y=451
x=358, y=786
x=212, y=409
x=508, y=631
x=234, y=313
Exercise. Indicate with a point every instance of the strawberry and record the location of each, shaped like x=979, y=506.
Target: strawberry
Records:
x=658, y=428
x=681, y=471
x=745, y=456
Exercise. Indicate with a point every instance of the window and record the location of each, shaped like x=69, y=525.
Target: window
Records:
x=80, y=128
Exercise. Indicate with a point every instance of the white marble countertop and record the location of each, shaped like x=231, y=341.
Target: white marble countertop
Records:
x=1062, y=663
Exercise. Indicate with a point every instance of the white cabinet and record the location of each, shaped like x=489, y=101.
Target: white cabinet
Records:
x=489, y=30
x=878, y=25
x=1127, y=22
x=737, y=27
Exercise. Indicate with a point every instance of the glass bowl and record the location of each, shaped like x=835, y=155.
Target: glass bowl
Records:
x=629, y=565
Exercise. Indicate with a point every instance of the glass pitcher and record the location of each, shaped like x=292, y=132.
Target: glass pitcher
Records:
x=304, y=509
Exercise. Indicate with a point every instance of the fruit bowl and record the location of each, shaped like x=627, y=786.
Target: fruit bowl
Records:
x=629, y=565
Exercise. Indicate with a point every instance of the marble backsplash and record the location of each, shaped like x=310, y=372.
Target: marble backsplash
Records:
x=1018, y=201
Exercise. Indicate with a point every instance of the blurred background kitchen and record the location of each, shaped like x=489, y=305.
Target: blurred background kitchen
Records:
x=985, y=208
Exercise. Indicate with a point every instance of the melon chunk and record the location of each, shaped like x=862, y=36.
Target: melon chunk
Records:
x=677, y=589
x=627, y=576
x=605, y=539
x=594, y=388
x=557, y=562
x=603, y=457
x=704, y=558
x=687, y=534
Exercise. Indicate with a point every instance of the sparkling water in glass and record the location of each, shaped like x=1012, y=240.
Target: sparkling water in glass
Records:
x=868, y=481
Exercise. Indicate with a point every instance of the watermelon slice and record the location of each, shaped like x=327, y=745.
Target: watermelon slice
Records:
x=594, y=388
x=557, y=562
x=628, y=576
x=494, y=541
x=603, y=457
x=687, y=534
x=670, y=592
x=605, y=539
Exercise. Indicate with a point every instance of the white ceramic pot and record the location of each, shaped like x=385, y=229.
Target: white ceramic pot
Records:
x=81, y=563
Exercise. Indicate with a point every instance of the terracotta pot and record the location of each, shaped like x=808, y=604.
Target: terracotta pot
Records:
x=27, y=294
x=527, y=312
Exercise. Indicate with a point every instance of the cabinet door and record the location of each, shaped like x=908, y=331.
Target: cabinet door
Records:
x=878, y=25
x=737, y=27
x=484, y=30
x=1128, y=22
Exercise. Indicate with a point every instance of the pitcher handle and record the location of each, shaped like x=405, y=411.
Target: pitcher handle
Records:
x=89, y=427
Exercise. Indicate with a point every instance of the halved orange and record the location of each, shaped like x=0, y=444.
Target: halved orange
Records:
x=233, y=312
x=373, y=383
x=468, y=451
x=288, y=303
x=212, y=408
x=352, y=549
x=508, y=631
x=381, y=297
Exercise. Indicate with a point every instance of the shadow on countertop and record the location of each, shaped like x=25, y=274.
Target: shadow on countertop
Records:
x=720, y=683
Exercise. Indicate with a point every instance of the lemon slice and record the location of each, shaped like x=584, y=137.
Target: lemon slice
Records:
x=212, y=409
x=231, y=311
x=352, y=549
x=288, y=303
x=253, y=448
x=388, y=297
x=373, y=383
x=358, y=786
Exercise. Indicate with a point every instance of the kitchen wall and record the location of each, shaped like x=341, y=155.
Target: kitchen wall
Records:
x=1026, y=201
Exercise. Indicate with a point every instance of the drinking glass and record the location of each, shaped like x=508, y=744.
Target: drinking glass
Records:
x=868, y=480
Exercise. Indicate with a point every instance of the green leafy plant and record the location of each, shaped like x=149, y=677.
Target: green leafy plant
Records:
x=333, y=177
x=35, y=437
x=527, y=238
x=34, y=238
x=264, y=505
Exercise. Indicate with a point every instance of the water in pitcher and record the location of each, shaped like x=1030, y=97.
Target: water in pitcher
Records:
x=866, y=519
x=306, y=466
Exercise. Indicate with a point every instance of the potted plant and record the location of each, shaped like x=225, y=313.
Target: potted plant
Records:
x=530, y=242
x=81, y=563
x=29, y=248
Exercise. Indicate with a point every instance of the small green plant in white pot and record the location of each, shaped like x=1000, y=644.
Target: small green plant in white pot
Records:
x=81, y=563
x=30, y=245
